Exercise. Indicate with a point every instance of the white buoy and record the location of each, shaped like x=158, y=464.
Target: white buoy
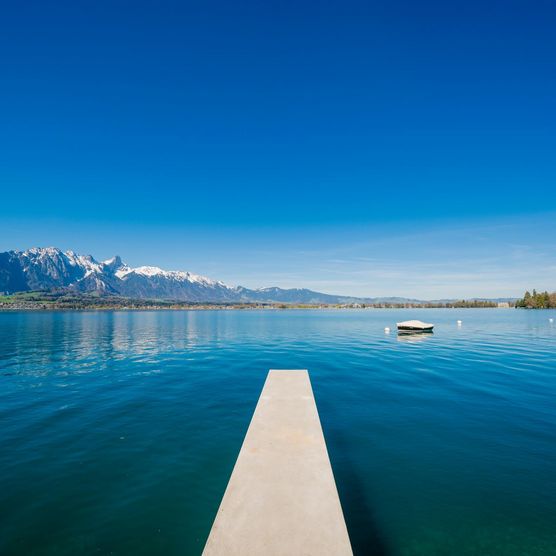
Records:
x=550, y=320
x=459, y=323
x=387, y=330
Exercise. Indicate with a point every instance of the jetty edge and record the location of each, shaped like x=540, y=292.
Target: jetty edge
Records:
x=281, y=498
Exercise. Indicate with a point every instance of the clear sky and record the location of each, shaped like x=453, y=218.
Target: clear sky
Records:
x=373, y=148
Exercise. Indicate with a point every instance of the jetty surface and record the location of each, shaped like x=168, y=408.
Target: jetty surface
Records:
x=281, y=498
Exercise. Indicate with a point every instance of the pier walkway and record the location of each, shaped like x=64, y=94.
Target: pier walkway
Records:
x=281, y=498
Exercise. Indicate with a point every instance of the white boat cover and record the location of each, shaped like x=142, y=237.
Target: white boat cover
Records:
x=414, y=324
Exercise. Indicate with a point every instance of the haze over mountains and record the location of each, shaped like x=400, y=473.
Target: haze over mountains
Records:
x=53, y=269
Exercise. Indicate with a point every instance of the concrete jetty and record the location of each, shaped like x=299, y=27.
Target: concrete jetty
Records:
x=281, y=498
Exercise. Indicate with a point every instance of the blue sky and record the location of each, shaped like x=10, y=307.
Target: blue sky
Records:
x=395, y=148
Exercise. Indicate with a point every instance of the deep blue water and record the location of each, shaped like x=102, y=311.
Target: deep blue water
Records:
x=119, y=430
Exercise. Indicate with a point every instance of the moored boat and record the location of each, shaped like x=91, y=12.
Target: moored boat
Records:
x=415, y=326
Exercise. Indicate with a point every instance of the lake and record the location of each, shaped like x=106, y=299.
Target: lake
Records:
x=120, y=429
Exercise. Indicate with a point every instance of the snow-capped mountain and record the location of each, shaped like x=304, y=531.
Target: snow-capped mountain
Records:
x=151, y=282
x=50, y=269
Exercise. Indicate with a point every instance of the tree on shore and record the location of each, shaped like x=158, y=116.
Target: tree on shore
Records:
x=537, y=300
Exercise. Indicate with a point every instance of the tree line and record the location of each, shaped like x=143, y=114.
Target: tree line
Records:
x=537, y=300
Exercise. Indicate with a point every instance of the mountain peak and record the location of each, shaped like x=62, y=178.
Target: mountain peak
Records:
x=114, y=263
x=41, y=251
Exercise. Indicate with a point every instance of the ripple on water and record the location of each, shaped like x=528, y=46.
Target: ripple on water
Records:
x=120, y=430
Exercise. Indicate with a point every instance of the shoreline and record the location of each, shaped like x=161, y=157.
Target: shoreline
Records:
x=62, y=301
x=115, y=308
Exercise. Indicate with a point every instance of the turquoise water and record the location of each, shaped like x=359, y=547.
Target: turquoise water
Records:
x=120, y=429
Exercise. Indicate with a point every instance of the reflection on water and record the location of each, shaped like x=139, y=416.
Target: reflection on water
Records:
x=83, y=342
x=414, y=336
x=120, y=429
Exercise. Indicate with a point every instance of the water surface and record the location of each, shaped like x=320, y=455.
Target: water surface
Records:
x=120, y=429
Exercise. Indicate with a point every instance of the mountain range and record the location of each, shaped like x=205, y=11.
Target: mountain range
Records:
x=50, y=268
